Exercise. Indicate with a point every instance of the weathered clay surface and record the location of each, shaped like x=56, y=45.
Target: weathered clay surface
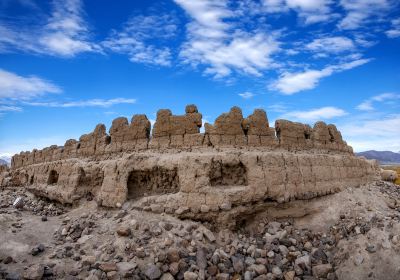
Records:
x=236, y=163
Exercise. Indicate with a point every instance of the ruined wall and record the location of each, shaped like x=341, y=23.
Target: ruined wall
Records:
x=183, y=132
x=237, y=163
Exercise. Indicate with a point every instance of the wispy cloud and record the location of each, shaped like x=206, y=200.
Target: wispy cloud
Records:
x=66, y=33
x=382, y=133
x=137, y=39
x=394, y=31
x=323, y=113
x=246, y=95
x=290, y=83
x=278, y=108
x=362, y=12
x=336, y=44
x=6, y=108
x=214, y=41
x=367, y=105
x=13, y=86
x=84, y=103
x=309, y=11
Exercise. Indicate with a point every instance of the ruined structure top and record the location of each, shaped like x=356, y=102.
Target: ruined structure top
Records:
x=222, y=175
x=183, y=132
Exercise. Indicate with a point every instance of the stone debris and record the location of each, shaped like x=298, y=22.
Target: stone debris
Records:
x=18, y=203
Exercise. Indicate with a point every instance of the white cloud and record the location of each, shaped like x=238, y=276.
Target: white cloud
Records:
x=290, y=83
x=6, y=108
x=246, y=95
x=323, y=113
x=310, y=11
x=278, y=108
x=335, y=44
x=361, y=12
x=66, y=33
x=136, y=36
x=367, y=105
x=217, y=43
x=373, y=134
x=394, y=32
x=13, y=86
x=84, y=103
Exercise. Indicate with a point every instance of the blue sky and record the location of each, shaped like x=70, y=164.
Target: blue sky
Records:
x=67, y=65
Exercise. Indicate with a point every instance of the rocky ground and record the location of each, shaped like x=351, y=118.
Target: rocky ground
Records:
x=354, y=234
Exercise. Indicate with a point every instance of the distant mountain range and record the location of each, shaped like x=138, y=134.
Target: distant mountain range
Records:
x=3, y=162
x=384, y=157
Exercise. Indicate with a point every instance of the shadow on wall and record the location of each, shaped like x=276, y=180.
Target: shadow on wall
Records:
x=53, y=178
x=156, y=180
x=228, y=174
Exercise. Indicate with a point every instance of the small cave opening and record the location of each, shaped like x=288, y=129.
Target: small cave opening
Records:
x=278, y=133
x=331, y=137
x=53, y=178
x=232, y=174
x=307, y=135
x=108, y=140
x=156, y=180
x=31, y=180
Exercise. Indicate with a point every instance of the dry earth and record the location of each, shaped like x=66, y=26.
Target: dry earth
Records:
x=353, y=234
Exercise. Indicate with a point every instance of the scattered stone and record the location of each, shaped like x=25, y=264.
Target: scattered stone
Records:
x=222, y=276
x=37, y=250
x=18, y=203
x=124, y=231
x=321, y=270
x=152, y=272
x=289, y=275
x=371, y=248
x=88, y=260
x=126, y=269
x=277, y=271
x=208, y=234
x=173, y=255
x=44, y=218
x=34, y=272
x=204, y=208
x=13, y=276
x=304, y=262
x=201, y=258
x=226, y=206
x=238, y=264
x=182, y=210
x=167, y=276
x=8, y=260
x=107, y=267
x=358, y=259
x=189, y=275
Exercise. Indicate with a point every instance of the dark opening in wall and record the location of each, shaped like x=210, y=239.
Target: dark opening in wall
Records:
x=53, y=178
x=89, y=181
x=31, y=180
x=228, y=174
x=108, y=140
x=278, y=133
x=157, y=180
x=307, y=135
x=331, y=137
